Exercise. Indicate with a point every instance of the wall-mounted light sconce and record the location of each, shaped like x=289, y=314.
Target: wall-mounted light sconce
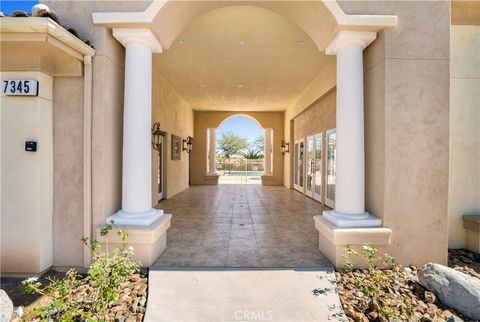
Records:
x=285, y=147
x=187, y=144
x=156, y=133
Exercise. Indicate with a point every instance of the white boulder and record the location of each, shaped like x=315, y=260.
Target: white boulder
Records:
x=459, y=291
x=6, y=307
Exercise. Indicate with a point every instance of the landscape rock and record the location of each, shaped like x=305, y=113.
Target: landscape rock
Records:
x=453, y=318
x=429, y=297
x=6, y=307
x=453, y=288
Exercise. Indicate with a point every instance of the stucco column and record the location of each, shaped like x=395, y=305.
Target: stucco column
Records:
x=212, y=151
x=137, y=170
x=349, y=210
x=268, y=152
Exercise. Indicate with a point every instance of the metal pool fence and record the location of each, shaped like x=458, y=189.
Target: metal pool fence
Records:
x=240, y=167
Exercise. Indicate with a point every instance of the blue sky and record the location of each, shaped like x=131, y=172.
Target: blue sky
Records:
x=242, y=126
x=9, y=6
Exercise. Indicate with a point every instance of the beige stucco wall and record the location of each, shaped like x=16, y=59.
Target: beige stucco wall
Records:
x=205, y=120
x=407, y=168
x=321, y=85
x=67, y=171
x=107, y=101
x=374, y=96
x=464, y=176
x=318, y=118
x=26, y=178
x=175, y=117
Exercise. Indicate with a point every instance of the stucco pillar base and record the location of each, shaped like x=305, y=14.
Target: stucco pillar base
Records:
x=148, y=242
x=211, y=178
x=471, y=223
x=268, y=180
x=333, y=240
x=126, y=218
x=363, y=220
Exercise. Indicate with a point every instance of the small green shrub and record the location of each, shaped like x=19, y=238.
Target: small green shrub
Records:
x=87, y=298
x=378, y=280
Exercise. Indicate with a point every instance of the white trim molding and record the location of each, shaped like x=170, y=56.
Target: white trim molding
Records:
x=348, y=38
x=43, y=29
x=344, y=21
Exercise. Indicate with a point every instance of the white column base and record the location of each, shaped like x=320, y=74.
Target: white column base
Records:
x=364, y=220
x=333, y=240
x=147, y=242
x=145, y=218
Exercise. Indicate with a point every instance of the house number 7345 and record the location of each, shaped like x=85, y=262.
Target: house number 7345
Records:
x=17, y=87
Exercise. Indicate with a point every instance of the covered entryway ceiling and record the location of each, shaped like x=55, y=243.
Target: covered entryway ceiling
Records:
x=241, y=58
x=240, y=55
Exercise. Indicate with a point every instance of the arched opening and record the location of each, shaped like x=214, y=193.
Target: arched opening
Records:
x=225, y=58
x=240, y=150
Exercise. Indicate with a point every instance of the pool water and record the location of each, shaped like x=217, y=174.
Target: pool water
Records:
x=244, y=173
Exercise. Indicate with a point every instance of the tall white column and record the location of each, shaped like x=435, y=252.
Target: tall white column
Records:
x=350, y=156
x=212, y=151
x=137, y=171
x=268, y=152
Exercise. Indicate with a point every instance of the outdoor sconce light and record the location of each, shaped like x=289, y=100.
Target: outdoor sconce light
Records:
x=187, y=144
x=156, y=133
x=285, y=147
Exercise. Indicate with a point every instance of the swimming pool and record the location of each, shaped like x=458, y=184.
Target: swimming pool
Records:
x=244, y=173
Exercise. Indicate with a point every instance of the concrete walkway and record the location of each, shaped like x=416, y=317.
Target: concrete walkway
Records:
x=243, y=295
x=242, y=253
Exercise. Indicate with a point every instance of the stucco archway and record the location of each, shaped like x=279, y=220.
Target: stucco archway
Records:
x=267, y=146
x=252, y=118
x=332, y=31
x=168, y=18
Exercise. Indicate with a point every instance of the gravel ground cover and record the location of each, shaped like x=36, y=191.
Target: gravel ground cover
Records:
x=403, y=298
x=130, y=306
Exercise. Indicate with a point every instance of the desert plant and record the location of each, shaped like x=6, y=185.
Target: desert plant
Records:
x=252, y=154
x=75, y=298
x=107, y=271
x=378, y=280
x=62, y=304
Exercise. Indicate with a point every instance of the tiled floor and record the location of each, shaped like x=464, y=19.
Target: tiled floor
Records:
x=239, y=180
x=241, y=226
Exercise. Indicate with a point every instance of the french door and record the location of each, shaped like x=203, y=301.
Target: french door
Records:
x=331, y=168
x=161, y=168
x=310, y=166
x=298, y=182
x=318, y=173
x=313, y=165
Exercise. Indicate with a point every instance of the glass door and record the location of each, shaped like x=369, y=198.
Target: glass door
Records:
x=331, y=165
x=160, y=169
x=310, y=164
x=295, y=167
x=299, y=166
x=317, y=191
